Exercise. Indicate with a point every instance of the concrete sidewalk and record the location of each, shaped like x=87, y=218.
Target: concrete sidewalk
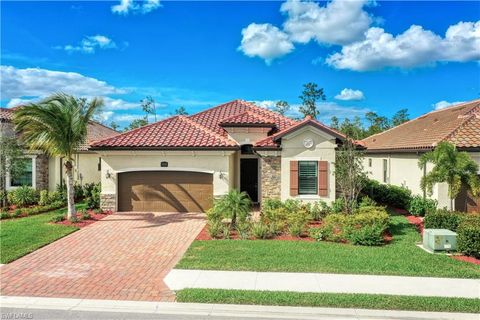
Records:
x=30, y=305
x=178, y=279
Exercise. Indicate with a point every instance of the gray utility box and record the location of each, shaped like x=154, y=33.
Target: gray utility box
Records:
x=439, y=240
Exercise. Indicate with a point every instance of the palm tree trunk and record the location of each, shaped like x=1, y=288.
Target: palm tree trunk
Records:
x=71, y=213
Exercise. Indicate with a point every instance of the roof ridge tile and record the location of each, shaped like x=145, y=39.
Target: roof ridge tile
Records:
x=206, y=130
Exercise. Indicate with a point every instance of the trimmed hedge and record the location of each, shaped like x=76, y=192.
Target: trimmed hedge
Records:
x=469, y=236
x=443, y=219
x=420, y=206
x=397, y=197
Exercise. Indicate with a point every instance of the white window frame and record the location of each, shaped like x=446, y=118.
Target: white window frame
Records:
x=34, y=173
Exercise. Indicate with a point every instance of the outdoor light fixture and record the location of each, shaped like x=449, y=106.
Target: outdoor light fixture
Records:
x=108, y=175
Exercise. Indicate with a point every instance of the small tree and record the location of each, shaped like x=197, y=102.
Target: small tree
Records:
x=149, y=107
x=349, y=174
x=137, y=123
x=311, y=93
x=234, y=205
x=452, y=167
x=58, y=126
x=400, y=117
x=281, y=107
x=11, y=162
x=181, y=111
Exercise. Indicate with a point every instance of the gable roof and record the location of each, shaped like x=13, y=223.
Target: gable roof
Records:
x=459, y=124
x=6, y=115
x=248, y=118
x=199, y=131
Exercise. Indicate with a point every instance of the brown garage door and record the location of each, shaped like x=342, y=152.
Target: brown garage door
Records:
x=164, y=191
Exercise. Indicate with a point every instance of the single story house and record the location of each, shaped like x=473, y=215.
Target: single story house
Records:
x=43, y=172
x=182, y=163
x=392, y=156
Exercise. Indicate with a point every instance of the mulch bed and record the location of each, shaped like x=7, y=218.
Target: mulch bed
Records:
x=94, y=217
x=467, y=259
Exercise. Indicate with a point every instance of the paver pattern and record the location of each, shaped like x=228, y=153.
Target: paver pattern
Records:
x=122, y=257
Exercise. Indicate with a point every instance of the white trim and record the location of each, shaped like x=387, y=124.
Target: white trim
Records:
x=34, y=173
x=310, y=128
x=164, y=169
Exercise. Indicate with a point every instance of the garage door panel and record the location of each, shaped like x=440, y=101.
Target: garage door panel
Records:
x=165, y=191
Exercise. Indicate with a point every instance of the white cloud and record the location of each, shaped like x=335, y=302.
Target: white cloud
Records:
x=350, y=94
x=90, y=44
x=36, y=82
x=412, y=48
x=120, y=104
x=339, y=22
x=444, y=104
x=131, y=6
x=265, y=41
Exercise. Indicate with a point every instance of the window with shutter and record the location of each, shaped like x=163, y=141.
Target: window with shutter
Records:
x=307, y=177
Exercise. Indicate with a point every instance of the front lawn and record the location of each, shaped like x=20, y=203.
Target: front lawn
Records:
x=337, y=300
x=19, y=237
x=401, y=257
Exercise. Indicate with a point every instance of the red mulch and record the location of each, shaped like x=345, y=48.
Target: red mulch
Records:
x=467, y=259
x=94, y=217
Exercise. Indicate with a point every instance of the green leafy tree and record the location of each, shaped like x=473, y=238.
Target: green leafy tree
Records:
x=400, y=117
x=311, y=94
x=350, y=175
x=335, y=123
x=281, y=107
x=11, y=162
x=181, y=111
x=353, y=128
x=149, y=107
x=377, y=123
x=234, y=205
x=451, y=166
x=114, y=126
x=58, y=126
x=137, y=123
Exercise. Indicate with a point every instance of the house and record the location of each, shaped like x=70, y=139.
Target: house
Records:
x=182, y=163
x=392, y=156
x=43, y=172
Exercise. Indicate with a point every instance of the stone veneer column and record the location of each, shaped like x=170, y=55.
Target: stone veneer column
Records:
x=108, y=201
x=271, y=176
x=41, y=172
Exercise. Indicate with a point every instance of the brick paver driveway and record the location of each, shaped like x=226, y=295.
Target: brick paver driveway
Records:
x=123, y=257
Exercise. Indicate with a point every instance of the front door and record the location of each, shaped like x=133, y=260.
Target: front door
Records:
x=249, y=177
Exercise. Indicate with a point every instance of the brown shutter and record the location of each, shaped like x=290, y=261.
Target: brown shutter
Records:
x=323, y=178
x=293, y=178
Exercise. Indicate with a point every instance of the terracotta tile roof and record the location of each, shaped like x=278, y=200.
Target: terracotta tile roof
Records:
x=458, y=124
x=97, y=131
x=272, y=141
x=247, y=118
x=201, y=130
x=6, y=114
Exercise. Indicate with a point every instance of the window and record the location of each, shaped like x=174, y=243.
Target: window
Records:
x=307, y=177
x=385, y=172
x=370, y=162
x=24, y=179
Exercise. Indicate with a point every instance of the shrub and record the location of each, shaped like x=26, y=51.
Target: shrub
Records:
x=61, y=190
x=3, y=197
x=293, y=205
x=215, y=229
x=93, y=199
x=226, y=232
x=332, y=228
x=316, y=233
x=214, y=215
x=23, y=196
x=319, y=210
x=366, y=201
x=297, y=221
x=243, y=230
x=366, y=235
x=77, y=192
x=4, y=215
x=58, y=218
x=84, y=214
x=260, y=230
x=420, y=206
x=468, y=240
x=338, y=206
x=295, y=230
x=271, y=204
x=443, y=219
x=44, y=199
x=74, y=220
x=56, y=196
x=275, y=218
x=398, y=197
x=17, y=213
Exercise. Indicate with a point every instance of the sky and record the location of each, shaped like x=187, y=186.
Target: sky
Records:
x=376, y=56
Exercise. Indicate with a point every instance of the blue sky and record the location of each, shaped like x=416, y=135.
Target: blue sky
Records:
x=387, y=55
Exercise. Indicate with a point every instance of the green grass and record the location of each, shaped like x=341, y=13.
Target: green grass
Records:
x=19, y=237
x=401, y=257
x=337, y=300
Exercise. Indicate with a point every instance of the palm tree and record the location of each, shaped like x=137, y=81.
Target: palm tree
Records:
x=58, y=126
x=234, y=204
x=450, y=166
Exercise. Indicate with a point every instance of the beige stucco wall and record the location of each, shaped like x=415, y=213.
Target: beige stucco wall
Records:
x=85, y=170
x=217, y=162
x=244, y=135
x=403, y=170
x=293, y=149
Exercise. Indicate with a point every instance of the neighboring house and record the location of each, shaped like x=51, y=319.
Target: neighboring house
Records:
x=183, y=162
x=43, y=172
x=392, y=156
